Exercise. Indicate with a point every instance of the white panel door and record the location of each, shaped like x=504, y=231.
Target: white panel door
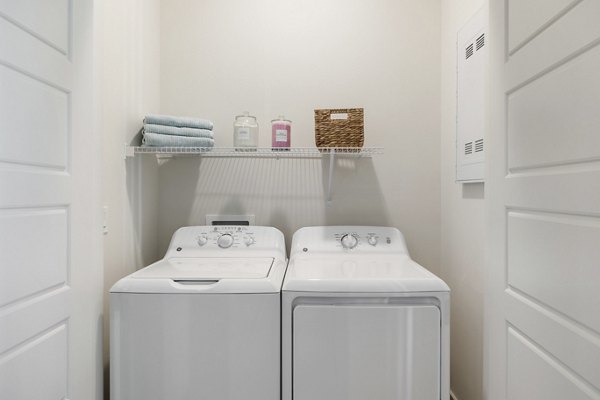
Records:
x=543, y=253
x=50, y=241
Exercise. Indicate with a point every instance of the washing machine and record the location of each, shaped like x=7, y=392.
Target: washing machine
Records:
x=203, y=322
x=361, y=319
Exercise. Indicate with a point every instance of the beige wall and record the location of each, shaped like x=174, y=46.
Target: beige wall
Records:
x=218, y=58
x=128, y=71
x=462, y=228
x=221, y=57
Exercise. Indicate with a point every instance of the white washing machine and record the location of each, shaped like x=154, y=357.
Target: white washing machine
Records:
x=361, y=320
x=203, y=322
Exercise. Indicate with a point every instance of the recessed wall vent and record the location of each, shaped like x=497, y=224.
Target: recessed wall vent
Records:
x=480, y=42
x=478, y=145
x=216, y=220
x=469, y=51
x=469, y=148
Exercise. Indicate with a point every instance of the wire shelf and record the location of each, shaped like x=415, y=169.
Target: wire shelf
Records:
x=261, y=152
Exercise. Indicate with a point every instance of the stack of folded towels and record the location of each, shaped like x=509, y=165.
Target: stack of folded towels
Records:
x=169, y=131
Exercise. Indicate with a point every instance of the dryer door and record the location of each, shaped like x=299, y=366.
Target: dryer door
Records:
x=357, y=352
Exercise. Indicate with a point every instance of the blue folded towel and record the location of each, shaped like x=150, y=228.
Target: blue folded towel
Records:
x=158, y=140
x=173, y=130
x=182, y=122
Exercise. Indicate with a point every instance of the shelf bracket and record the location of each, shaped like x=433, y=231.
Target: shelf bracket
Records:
x=128, y=151
x=330, y=180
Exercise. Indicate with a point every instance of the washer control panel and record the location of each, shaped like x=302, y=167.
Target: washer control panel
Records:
x=228, y=238
x=225, y=237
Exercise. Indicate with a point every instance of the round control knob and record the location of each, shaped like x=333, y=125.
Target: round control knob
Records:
x=225, y=241
x=349, y=241
x=372, y=240
x=248, y=240
x=202, y=240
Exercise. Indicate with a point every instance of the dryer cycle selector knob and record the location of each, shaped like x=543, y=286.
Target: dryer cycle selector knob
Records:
x=225, y=241
x=372, y=240
x=349, y=241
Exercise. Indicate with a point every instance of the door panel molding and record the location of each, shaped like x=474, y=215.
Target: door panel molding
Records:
x=51, y=265
x=543, y=206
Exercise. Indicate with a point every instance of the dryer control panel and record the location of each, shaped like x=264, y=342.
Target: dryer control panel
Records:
x=201, y=240
x=359, y=239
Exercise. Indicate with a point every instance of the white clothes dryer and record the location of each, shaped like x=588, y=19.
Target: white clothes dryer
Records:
x=361, y=320
x=203, y=322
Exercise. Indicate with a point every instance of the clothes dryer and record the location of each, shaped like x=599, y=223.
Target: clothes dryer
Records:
x=203, y=322
x=361, y=319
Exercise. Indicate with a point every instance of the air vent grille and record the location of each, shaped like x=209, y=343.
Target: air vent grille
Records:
x=469, y=148
x=469, y=51
x=480, y=42
x=478, y=145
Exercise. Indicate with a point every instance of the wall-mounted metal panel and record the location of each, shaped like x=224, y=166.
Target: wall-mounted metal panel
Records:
x=472, y=44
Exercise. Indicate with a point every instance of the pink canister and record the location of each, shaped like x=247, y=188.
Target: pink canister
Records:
x=281, y=133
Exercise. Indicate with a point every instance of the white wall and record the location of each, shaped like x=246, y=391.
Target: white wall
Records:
x=221, y=57
x=128, y=70
x=462, y=225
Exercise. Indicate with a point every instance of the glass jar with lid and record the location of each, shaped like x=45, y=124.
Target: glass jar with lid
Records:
x=245, y=132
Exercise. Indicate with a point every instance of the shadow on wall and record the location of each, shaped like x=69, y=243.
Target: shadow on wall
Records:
x=285, y=193
x=475, y=190
x=141, y=216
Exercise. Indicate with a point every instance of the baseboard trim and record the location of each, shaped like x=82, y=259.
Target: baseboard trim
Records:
x=452, y=396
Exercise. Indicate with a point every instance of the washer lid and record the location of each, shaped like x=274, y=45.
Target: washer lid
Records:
x=197, y=268
x=356, y=274
x=181, y=275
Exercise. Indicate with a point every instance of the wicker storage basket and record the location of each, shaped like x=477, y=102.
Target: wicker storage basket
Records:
x=342, y=127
